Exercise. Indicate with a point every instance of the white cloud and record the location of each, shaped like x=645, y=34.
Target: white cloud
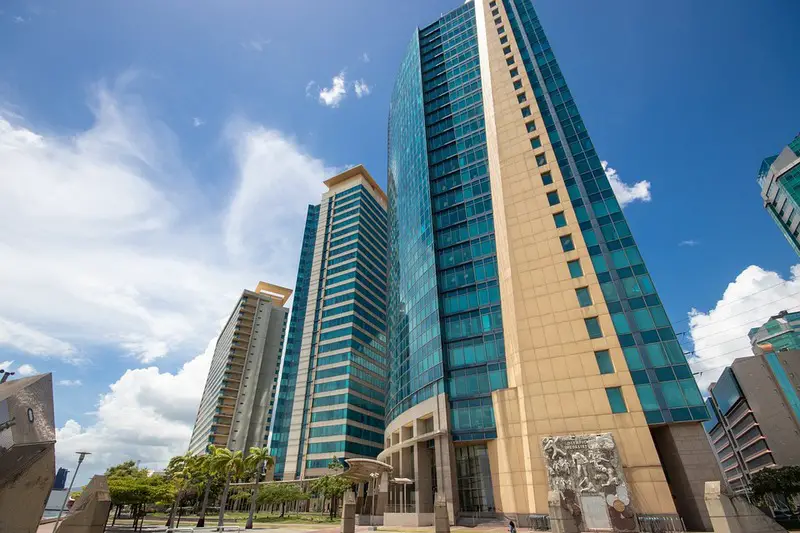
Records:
x=720, y=335
x=146, y=416
x=334, y=94
x=26, y=370
x=108, y=227
x=69, y=382
x=19, y=20
x=255, y=45
x=197, y=122
x=365, y=57
x=130, y=252
x=626, y=194
x=34, y=342
x=689, y=242
x=361, y=88
x=20, y=371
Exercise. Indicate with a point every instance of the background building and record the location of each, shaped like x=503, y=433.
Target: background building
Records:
x=236, y=408
x=779, y=178
x=519, y=305
x=780, y=332
x=755, y=410
x=334, y=377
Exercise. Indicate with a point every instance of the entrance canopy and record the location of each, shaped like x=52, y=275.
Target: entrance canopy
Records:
x=360, y=469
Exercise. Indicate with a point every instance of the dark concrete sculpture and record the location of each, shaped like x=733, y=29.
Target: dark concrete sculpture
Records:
x=90, y=513
x=27, y=451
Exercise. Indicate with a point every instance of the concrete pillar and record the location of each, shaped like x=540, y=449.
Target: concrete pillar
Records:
x=446, y=481
x=734, y=514
x=349, y=513
x=561, y=520
x=423, y=484
x=383, y=494
x=360, y=499
x=441, y=515
x=688, y=463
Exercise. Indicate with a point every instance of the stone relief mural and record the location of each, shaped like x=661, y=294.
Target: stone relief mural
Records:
x=586, y=470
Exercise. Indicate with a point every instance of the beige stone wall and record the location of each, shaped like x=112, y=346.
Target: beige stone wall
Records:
x=555, y=386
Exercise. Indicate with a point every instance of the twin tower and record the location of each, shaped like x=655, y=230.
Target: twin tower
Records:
x=488, y=328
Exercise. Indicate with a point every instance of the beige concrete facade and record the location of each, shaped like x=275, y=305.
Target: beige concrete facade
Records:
x=555, y=387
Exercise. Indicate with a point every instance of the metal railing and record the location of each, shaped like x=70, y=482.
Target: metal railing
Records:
x=654, y=523
x=539, y=522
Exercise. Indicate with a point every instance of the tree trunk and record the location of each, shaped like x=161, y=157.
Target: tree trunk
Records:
x=201, y=521
x=283, y=509
x=180, y=513
x=249, y=524
x=172, y=511
x=224, y=501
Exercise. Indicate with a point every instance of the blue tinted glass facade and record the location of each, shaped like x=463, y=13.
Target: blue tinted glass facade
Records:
x=349, y=328
x=658, y=365
x=291, y=356
x=446, y=298
x=416, y=370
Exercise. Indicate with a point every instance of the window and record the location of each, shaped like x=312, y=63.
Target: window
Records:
x=503, y=39
x=495, y=12
x=575, y=269
x=536, y=143
x=498, y=20
x=560, y=219
x=521, y=97
x=493, y=3
x=541, y=160
x=547, y=178
x=531, y=126
x=514, y=72
x=604, y=362
x=593, y=327
x=552, y=198
x=584, y=298
x=510, y=60
x=501, y=30
x=566, y=243
x=507, y=50
x=616, y=400
x=517, y=84
x=526, y=111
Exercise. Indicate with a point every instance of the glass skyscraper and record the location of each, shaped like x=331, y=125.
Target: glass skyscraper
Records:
x=519, y=306
x=332, y=390
x=779, y=179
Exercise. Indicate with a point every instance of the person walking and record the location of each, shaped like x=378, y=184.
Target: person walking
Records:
x=511, y=527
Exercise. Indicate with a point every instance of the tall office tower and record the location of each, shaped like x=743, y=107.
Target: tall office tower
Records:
x=330, y=402
x=236, y=408
x=528, y=348
x=779, y=178
x=755, y=414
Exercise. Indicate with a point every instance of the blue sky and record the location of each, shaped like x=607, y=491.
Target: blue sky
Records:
x=171, y=148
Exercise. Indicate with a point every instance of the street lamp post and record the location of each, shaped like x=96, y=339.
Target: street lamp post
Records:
x=374, y=476
x=81, y=456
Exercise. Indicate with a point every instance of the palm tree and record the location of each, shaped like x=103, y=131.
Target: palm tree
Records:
x=231, y=465
x=257, y=460
x=182, y=469
x=207, y=474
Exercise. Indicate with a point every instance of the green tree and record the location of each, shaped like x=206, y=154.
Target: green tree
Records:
x=182, y=472
x=281, y=494
x=257, y=460
x=138, y=493
x=230, y=465
x=332, y=486
x=769, y=482
x=208, y=480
